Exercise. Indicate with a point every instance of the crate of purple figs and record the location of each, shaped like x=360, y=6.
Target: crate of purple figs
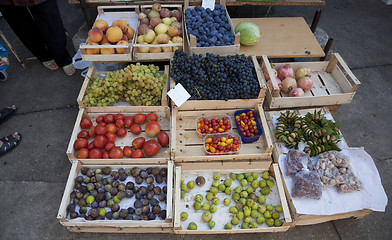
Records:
x=210, y=30
x=305, y=84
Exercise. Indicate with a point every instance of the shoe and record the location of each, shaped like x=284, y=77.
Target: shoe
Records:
x=69, y=69
x=3, y=76
x=52, y=65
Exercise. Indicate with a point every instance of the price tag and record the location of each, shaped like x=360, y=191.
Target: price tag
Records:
x=208, y=4
x=178, y=94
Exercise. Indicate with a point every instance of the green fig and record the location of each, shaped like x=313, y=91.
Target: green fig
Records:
x=261, y=199
x=182, y=180
x=265, y=175
x=270, y=183
x=206, y=206
x=249, y=190
x=255, y=184
x=242, y=201
x=216, y=176
x=269, y=207
x=267, y=214
x=228, y=226
x=240, y=177
x=183, y=216
x=207, y=216
x=215, y=201
x=262, y=183
x=235, y=196
x=250, y=179
x=211, y=224
x=182, y=194
x=192, y=226
x=260, y=220
x=254, y=214
x=233, y=176
x=262, y=209
x=245, y=225
x=247, y=219
x=247, y=212
x=215, y=183
x=228, y=190
x=199, y=198
x=233, y=210
x=221, y=187
x=270, y=222
x=213, y=209
x=184, y=188
x=240, y=215
x=235, y=221
x=279, y=208
x=238, y=189
x=253, y=225
x=226, y=202
x=255, y=176
x=265, y=190
x=191, y=184
x=243, y=182
x=227, y=182
x=90, y=199
x=275, y=215
x=209, y=196
x=214, y=190
x=197, y=206
x=278, y=223
x=244, y=194
x=249, y=202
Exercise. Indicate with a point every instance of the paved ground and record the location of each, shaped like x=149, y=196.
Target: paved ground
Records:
x=33, y=176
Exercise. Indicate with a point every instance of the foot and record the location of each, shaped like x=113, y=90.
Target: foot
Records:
x=9, y=142
x=52, y=65
x=6, y=113
x=69, y=69
x=3, y=76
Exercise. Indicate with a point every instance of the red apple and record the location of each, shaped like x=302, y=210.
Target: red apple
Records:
x=151, y=147
x=152, y=129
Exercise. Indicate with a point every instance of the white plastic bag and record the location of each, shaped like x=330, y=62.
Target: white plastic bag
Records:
x=78, y=63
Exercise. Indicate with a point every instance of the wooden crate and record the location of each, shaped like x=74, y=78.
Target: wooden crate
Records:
x=162, y=56
x=116, y=226
x=187, y=145
x=305, y=219
x=92, y=72
x=217, y=50
x=164, y=120
x=127, y=55
x=228, y=167
x=231, y=103
x=331, y=85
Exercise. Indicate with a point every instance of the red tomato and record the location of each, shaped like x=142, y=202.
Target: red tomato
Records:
x=105, y=155
x=80, y=143
x=151, y=147
x=109, y=146
x=108, y=118
x=127, y=151
x=152, y=129
x=100, y=130
x=95, y=153
x=136, y=129
x=111, y=127
x=163, y=139
x=82, y=153
x=90, y=145
x=152, y=117
x=84, y=134
x=86, y=123
x=116, y=152
x=118, y=116
x=121, y=132
x=137, y=154
x=137, y=143
x=92, y=131
x=111, y=137
x=139, y=118
x=128, y=121
x=99, y=119
x=100, y=141
x=120, y=123
x=102, y=123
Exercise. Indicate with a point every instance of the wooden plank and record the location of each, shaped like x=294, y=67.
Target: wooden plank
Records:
x=177, y=196
x=282, y=38
x=169, y=195
x=316, y=219
x=118, y=230
x=279, y=184
x=349, y=72
x=173, y=134
x=266, y=130
x=75, y=131
x=91, y=72
x=318, y=88
x=332, y=86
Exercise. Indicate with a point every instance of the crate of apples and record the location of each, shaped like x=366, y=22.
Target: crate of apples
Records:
x=248, y=126
x=222, y=144
x=219, y=124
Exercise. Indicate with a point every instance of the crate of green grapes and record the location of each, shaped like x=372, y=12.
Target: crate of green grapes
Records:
x=135, y=85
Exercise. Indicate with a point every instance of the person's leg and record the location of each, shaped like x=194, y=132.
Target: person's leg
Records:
x=6, y=113
x=9, y=142
x=21, y=22
x=48, y=21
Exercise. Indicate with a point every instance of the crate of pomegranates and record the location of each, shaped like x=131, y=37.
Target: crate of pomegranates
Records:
x=307, y=84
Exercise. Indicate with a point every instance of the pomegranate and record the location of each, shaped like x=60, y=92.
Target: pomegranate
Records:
x=302, y=72
x=297, y=92
x=266, y=75
x=288, y=84
x=286, y=71
x=269, y=83
x=306, y=83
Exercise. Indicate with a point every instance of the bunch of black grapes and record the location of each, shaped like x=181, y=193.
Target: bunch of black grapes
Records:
x=214, y=77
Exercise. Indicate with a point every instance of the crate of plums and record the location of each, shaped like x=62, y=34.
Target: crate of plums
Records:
x=229, y=197
x=210, y=30
x=218, y=82
x=118, y=198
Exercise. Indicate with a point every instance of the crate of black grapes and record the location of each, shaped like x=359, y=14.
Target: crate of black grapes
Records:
x=210, y=30
x=217, y=82
x=118, y=198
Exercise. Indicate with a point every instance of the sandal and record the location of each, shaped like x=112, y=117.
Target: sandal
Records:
x=52, y=65
x=9, y=142
x=69, y=69
x=6, y=113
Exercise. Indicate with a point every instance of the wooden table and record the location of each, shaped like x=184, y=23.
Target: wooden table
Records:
x=282, y=38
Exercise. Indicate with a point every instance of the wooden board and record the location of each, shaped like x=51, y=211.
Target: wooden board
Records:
x=231, y=103
x=92, y=72
x=116, y=225
x=127, y=55
x=330, y=85
x=187, y=145
x=163, y=119
x=282, y=38
x=227, y=167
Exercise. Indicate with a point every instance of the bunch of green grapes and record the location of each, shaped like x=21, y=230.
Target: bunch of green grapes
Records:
x=139, y=85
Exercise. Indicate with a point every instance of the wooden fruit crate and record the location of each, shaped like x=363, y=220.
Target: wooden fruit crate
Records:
x=93, y=72
x=227, y=167
x=138, y=55
x=231, y=103
x=116, y=226
x=105, y=13
x=187, y=145
x=331, y=85
x=163, y=119
x=306, y=219
x=217, y=50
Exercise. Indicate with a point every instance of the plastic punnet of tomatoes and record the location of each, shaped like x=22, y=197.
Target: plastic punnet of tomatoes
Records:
x=214, y=124
x=248, y=125
x=221, y=144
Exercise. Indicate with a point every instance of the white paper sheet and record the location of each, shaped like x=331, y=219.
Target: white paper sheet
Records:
x=178, y=94
x=208, y=4
x=372, y=196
